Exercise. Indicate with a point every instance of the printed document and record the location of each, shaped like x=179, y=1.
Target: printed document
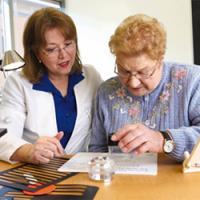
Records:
x=144, y=164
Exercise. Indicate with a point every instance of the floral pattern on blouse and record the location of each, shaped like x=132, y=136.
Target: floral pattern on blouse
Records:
x=127, y=105
x=180, y=74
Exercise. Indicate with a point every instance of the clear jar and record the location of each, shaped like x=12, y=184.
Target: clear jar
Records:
x=101, y=168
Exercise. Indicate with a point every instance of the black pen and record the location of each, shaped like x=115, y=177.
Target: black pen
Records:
x=110, y=141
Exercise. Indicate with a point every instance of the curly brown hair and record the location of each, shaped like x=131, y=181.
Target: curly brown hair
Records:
x=139, y=34
x=34, y=39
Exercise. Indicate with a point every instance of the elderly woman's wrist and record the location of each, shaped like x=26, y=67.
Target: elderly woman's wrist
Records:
x=161, y=140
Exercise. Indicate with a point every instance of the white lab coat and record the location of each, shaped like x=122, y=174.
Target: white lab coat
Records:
x=28, y=114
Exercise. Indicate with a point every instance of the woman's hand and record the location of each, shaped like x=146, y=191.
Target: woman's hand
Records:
x=41, y=152
x=139, y=139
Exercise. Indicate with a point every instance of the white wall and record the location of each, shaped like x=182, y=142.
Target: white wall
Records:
x=96, y=21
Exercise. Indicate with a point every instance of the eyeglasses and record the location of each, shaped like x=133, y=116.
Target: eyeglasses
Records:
x=54, y=52
x=121, y=72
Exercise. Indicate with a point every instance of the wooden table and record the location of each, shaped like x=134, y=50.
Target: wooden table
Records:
x=169, y=184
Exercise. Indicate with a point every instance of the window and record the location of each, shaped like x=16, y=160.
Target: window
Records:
x=14, y=15
x=1, y=30
x=196, y=29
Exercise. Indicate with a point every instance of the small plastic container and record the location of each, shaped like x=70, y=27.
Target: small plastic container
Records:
x=101, y=168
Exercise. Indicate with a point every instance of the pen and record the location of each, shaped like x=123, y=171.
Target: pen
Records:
x=110, y=142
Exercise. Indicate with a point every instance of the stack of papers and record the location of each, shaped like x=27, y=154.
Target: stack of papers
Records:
x=144, y=164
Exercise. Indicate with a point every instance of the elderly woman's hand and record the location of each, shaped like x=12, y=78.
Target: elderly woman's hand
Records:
x=41, y=152
x=139, y=139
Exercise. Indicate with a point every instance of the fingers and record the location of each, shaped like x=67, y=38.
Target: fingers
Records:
x=54, y=145
x=129, y=137
x=59, y=135
x=58, y=144
x=123, y=131
x=47, y=148
x=138, y=138
x=132, y=141
x=142, y=149
x=41, y=154
x=42, y=157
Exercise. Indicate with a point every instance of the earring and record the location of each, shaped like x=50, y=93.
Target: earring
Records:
x=39, y=61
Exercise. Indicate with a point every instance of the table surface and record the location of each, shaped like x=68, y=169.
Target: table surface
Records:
x=170, y=184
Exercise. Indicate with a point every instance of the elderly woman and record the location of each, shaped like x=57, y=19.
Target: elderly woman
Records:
x=152, y=105
x=47, y=106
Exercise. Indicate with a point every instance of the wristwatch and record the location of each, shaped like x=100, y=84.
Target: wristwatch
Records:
x=168, y=142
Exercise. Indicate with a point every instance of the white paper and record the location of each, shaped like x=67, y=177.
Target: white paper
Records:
x=144, y=164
